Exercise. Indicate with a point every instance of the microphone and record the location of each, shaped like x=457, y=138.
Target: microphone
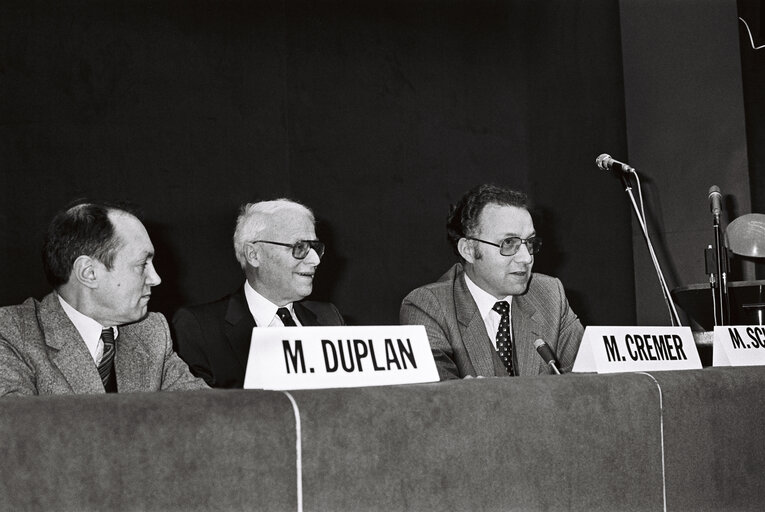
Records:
x=715, y=200
x=547, y=355
x=606, y=163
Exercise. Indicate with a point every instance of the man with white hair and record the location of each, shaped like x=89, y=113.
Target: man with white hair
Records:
x=275, y=243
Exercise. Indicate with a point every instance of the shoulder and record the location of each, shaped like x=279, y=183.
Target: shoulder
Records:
x=208, y=307
x=324, y=311
x=12, y=317
x=442, y=289
x=544, y=282
x=205, y=311
x=544, y=288
x=151, y=323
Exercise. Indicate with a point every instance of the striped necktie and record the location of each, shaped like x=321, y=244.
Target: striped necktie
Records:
x=106, y=365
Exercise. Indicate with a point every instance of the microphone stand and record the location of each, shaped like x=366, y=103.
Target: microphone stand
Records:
x=722, y=278
x=709, y=263
x=673, y=316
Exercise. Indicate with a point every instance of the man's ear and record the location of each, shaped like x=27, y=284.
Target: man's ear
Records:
x=252, y=255
x=466, y=249
x=85, y=270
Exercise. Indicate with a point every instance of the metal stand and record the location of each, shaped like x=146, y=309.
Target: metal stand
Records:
x=722, y=307
x=673, y=316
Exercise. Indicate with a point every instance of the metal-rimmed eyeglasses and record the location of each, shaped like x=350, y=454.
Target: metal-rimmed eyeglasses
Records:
x=300, y=249
x=511, y=245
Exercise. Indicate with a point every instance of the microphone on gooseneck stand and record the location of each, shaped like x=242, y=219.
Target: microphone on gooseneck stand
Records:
x=722, y=308
x=546, y=353
x=606, y=163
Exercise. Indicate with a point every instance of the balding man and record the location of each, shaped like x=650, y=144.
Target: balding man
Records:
x=93, y=333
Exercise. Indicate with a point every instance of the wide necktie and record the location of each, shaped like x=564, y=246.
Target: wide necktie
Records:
x=285, y=317
x=504, y=337
x=106, y=365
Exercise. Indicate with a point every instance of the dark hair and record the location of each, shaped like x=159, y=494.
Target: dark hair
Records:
x=81, y=229
x=463, y=217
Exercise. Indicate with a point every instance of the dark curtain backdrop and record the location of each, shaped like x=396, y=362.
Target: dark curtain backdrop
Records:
x=378, y=115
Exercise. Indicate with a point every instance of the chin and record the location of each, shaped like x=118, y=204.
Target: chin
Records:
x=518, y=289
x=138, y=316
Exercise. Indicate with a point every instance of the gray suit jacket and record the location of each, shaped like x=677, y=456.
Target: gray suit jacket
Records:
x=41, y=352
x=458, y=337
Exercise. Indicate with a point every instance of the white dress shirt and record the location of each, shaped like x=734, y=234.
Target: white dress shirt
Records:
x=89, y=329
x=263, y=310
x=485, y=302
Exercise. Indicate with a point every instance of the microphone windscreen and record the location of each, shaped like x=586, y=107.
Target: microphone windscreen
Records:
x=544, y=350
x=602, y=163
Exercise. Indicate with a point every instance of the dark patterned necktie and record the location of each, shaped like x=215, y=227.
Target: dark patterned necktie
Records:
x=106, y=366
x=285, y=317
x=504, y=337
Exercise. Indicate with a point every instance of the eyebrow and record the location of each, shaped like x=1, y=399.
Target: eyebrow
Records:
x=516, y=235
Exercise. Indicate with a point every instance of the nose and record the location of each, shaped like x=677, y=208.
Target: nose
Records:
x=523, y=255
x=312, y=258
x=153, y=278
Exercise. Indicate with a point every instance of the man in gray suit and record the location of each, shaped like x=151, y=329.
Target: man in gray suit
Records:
x=93, y=334
x=276, y=246
x=484, y=314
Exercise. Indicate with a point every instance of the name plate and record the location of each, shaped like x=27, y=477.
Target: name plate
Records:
x=738, y=345
x=338, y=357
x=631, y=349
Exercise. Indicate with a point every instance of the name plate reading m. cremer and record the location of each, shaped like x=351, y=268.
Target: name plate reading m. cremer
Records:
x=338, y=357
x=739, y=345
x=636, y=349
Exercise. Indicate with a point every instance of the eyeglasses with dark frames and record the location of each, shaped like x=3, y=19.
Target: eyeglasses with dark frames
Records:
x=300, y=249
x=511, y=245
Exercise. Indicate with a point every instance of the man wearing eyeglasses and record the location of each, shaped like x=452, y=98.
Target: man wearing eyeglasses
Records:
x=483, y=316
x=276, y=246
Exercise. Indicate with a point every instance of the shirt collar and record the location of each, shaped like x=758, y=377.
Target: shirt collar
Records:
x=89, y=329
x=263, y=311
x=483, y=299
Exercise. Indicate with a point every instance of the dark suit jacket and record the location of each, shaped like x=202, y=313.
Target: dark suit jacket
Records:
x=214, y=338
x=458, y=335
x=41, y=352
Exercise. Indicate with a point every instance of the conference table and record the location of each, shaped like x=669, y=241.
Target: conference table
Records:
x=672, y=440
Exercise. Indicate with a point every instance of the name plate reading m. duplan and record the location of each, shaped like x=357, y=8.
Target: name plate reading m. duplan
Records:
x=739, y=345
x=636, y=349
x=338, y=357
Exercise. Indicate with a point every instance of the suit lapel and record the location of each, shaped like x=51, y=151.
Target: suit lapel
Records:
x=526, y=329
x=477, y=343
x=305, y=315
x=68, y=351
x=132, y=361
x=238, y=326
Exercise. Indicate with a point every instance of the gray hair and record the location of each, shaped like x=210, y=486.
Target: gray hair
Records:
x=254, y=219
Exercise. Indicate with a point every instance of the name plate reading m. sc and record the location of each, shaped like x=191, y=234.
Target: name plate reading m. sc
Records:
x=338, y=357
x=636, y=349
x=739, y=345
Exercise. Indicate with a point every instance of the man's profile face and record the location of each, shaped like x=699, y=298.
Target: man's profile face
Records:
x=281, y=278
x=124, y=291
x=496, y=274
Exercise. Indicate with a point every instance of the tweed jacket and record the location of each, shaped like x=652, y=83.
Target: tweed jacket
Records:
x=41, y=352
x=214, y=338
x=458, y=338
